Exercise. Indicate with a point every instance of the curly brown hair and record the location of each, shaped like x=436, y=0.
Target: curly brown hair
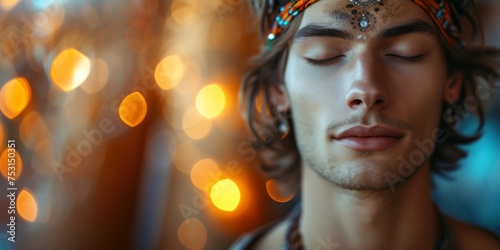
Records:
x=279, y=155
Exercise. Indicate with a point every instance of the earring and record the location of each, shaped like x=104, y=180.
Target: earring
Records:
x=283, y=126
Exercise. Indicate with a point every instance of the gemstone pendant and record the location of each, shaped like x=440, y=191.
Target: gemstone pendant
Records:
x=364, y=23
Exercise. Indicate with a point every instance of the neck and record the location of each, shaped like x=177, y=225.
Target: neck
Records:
x=368, y=219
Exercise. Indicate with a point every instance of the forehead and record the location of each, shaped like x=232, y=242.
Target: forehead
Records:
x=354, y=17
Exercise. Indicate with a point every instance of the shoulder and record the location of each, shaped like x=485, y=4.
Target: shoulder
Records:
x=471, y=237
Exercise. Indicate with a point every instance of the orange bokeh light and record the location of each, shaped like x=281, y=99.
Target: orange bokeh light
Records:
x=133, y=109
x=204, y=174
x=27, y=206
x=169, y=72
x=15, y=95
x=276, y=191
x=185, y=12
x=192, y=234
x=195, y=125
x=225, y=195
x=210, y=101
x=70, y=69
x=8, y=4
x=4, y=167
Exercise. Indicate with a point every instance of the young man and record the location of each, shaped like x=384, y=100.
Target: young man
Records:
x=362, y=96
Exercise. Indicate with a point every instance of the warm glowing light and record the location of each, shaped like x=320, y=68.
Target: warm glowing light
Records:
x=13, y=158
x=225, y=195
x=191, y=81
x=195, y=125
x=14, y=97
x=210, y=101
x=205, y=173
x=97, y=78
x=70, y=69
x=133, y=109
x=27, y=206
x=185, y=156
x=8, y=4
x=185, y=12
x=169, y=72
x=276, y=191
x=192, y=234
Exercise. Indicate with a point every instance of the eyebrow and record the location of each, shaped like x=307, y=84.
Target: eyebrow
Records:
x=414, y=26
x=313, y=30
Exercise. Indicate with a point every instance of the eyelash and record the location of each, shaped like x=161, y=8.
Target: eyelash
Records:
x=405, y=59
x=324, y=62
x=408, y=59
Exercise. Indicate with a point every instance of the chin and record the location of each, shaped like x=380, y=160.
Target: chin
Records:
x=367, y=173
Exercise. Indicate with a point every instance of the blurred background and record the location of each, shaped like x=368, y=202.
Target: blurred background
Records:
x=128, y=134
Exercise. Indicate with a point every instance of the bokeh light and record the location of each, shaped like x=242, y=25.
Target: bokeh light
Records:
x=191, y=81
x=27, y=206
x=277, y=192
x=185, y=11
x=97, y=78
x=225, y=195
x=204, y=173
x=4, y=159
x=185, y=156
x=195, y=125
x=211, y=101
x=15, y=95
x=192, y=234
x=8, y=4
x=169, y=72
x=133, y=109
x=70, y=69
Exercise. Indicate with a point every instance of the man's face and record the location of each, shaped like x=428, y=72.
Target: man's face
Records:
x=361, y=96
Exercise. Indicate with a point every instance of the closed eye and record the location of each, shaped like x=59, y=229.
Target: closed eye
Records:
x=407, y=59
x=324, y=62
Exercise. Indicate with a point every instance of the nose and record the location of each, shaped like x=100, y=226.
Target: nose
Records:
x=367, y=89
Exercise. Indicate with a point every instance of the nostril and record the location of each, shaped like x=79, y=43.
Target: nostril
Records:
x=378, y=102
x=357, y=102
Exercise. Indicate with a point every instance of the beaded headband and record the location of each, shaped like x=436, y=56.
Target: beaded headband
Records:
x=438, y=10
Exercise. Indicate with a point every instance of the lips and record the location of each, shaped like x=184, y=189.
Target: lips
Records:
x=375, y=138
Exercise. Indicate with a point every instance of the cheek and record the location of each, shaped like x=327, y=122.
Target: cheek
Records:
x=420, y=102
x=314, y=96
x=312, y=87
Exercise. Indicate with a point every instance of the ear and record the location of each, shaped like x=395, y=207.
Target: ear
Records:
x=279, y=96
x=453, y=87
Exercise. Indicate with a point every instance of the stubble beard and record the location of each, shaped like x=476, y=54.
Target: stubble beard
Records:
x=361, y=174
